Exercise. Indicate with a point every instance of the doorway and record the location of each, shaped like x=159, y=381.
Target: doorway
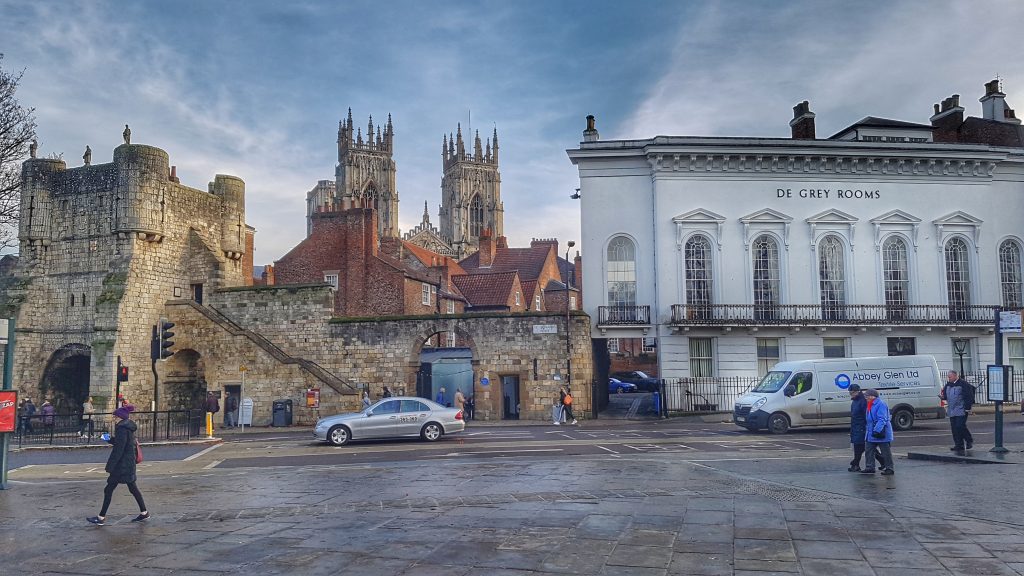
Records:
x=510, y=397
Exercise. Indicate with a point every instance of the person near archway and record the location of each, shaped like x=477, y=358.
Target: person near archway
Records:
x=86, y=422
x=121, y=464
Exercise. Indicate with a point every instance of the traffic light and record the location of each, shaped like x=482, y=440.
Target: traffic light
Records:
x=161, y=343
x=122, y=371
x=165, y=339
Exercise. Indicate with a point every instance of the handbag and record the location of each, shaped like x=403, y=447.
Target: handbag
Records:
x=138, y=452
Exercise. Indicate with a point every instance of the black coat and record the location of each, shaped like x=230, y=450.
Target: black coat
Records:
x=121, y=462
x=858, y=419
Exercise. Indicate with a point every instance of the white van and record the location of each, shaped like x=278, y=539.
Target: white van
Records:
x=815, y=392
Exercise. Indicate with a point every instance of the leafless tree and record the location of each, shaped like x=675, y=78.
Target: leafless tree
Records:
x=17, y=132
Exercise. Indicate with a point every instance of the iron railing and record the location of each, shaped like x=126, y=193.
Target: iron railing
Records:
x=623, y=315
x=74, y=429
x=979, y=380
x=815, y=314
x=715, y=394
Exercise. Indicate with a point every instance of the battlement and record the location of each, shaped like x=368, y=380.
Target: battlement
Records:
x=453, y=150
x=382, y=142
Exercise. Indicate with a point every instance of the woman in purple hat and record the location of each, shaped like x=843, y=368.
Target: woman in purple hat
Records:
x=121, y=464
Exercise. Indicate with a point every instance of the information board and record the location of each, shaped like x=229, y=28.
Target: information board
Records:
x=8, y=410
x=245, y=412
x=999, y=378
x=1009, y=322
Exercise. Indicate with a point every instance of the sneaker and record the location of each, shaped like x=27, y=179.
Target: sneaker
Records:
x=141, y=517
x=574, y=421
x=888, y=472
x=853, y=469
x=96, y=520
x=956, y=448
x=868, y=471
x=970, y=445
x=558, y=423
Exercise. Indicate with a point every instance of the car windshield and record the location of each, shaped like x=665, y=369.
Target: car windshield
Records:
x=772, y=382
x=640, y=374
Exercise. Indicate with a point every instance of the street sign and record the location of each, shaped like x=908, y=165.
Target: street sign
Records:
x=485, y=381
x=545, y=329
x=998, y=379
x=245, y=412
x=1009, y=322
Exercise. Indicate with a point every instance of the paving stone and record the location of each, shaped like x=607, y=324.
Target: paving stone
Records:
x=957, y=550
x=887, y=558
x=976, y=566
x=819, y=567
x=645, y=556
x=885, y=541
x=764, y=549
x=648, y=537
x=709, y=564
x=827, y=550
x=763, y=533
x=708, y=517
x=824, y=532
x=767, y=566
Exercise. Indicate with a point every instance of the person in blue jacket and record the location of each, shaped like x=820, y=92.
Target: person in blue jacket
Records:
x=858, y=427
x=878, y=435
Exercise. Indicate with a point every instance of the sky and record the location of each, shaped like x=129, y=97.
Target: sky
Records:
x=256, y=88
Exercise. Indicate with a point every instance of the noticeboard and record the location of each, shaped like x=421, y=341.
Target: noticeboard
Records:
x=313, y=398
x=8, y=410
x=999, y=378
x=245, y=412
x=1009, y=322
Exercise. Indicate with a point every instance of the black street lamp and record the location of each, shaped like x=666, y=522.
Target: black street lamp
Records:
x=960, y=346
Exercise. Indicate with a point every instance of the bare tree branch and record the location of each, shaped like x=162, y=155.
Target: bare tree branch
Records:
x=17, y=131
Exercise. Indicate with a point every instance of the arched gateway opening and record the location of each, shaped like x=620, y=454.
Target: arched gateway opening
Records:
x=446, y=366
x=65, y=381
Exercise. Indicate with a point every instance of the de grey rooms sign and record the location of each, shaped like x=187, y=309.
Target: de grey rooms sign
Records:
x=827, y=193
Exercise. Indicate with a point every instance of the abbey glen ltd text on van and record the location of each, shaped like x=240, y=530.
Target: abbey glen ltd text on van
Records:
x=816, y=392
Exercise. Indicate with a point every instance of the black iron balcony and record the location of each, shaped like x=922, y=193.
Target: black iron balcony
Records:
x=830, y=315
x=623, y=315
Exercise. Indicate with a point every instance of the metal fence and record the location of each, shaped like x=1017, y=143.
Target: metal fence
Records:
x=980, y=382
x=695, y=395
x=74, y=429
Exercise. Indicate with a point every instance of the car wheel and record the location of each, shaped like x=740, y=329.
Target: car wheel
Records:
x=903, y=419
x=339, y=435
x=778, y=423
x=620, y=390
x=432, y=432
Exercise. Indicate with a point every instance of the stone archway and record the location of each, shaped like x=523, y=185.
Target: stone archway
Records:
x=183, y=381
x=65, y=381
x=444, y=360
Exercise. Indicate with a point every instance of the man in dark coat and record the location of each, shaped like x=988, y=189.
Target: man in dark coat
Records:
x=959, y=397
x=121, y=464
x=858, y=427
x=212, y=404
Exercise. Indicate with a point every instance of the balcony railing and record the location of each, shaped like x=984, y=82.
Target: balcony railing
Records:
x=623, y=315
x=831, y=315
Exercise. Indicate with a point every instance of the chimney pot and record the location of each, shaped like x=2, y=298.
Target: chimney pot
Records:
x=802, y=124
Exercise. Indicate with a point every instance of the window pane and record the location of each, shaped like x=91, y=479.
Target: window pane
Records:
x=697, y=261
x=901, y=346
x=968, y=354
x=767, y=354
x=1010, y=274
x=957, y=278
x=613, y=345
x=834, y=347
x=701, y=357
x=766, y=276
x=895, y=277
x=1015, y=354
x=831, y=275
x=621, y=272
x=476, y=217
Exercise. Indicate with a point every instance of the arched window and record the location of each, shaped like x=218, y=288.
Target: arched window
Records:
x=697, y=260
x=958, y=278
x=1010, y=274
x=896, y=278
x=622, y=279
x=766, y=276
x=832, y=278
x=476, y=217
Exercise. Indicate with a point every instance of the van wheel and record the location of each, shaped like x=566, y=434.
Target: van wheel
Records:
x=778, y=423
x=903, y=419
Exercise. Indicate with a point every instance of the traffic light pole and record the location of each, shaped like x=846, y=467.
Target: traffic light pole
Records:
x=156, y=382
x=7, y=385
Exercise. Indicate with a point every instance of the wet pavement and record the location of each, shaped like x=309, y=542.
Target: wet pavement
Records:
x=648, y=513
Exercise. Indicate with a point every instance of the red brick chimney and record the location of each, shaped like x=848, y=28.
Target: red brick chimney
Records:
x=947, y=119
x=577, y=277
x=486, y=254
x=802, y=123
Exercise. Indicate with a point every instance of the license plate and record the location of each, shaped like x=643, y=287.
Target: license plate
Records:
x=741, y=419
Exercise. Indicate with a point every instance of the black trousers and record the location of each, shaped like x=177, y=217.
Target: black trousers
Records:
x=880, y=451
x=858, y=450
x=958, y=425
x=108, y=493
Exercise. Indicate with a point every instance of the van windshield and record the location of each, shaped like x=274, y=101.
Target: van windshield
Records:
x=772, y=382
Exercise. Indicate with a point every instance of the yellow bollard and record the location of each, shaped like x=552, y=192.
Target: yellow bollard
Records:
x=209, y=424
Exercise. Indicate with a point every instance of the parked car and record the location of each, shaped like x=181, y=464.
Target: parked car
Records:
x=395, y=417
x=616, y=386
x=644, y=383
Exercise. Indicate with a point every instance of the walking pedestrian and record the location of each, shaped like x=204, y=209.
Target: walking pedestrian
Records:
x=879, y=434
x=460, y=401
x=366, y=399
x=387, y=393
x=212, y=404
x=858, y=426
x=231, y=411
x=48, y=412
x=121, y=465
x=29, y=413
x=565, y=396
x=470, y=408
x=86, y=422
x=440, y=397
x=959, y=397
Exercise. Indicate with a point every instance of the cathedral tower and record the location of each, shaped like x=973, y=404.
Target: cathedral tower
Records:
x=470, y=192
x=365, y=176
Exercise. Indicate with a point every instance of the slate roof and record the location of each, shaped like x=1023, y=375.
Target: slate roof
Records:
x=486, y=289
x=430, y=258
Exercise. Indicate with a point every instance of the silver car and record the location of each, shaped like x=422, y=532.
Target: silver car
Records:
x=396, y=417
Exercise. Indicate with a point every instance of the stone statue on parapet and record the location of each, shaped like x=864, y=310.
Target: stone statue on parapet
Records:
x=87, y=156
x=33, y=148
x=127, y=134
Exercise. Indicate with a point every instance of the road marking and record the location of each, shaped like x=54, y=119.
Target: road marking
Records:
x=471, y=453
x=198, y=454
x=212, y=464
x=25, y=467
x=608, y=449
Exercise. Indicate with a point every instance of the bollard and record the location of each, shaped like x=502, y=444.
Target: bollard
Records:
x=209, y=424
x=656, y=397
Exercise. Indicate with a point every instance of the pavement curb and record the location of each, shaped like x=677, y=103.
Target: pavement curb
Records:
x=104, y=445
x=1009, y=458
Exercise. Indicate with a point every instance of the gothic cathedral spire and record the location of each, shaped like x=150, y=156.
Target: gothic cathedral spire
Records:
x=470, y=192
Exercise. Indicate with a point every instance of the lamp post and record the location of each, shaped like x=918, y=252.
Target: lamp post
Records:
x=960, y=347
x=568, y=332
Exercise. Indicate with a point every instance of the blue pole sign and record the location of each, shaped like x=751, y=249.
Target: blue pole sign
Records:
x=485, y=381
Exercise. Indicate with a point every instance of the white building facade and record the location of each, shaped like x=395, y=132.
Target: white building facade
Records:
x=736, y=253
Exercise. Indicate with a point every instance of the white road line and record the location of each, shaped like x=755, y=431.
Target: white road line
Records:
x=608, y=449
x=212, y=464
x=472, y=453
x=198, y=454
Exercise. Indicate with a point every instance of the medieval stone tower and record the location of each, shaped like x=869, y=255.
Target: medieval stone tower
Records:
x=365, y=176
x=470, y=192
x=104, y=248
